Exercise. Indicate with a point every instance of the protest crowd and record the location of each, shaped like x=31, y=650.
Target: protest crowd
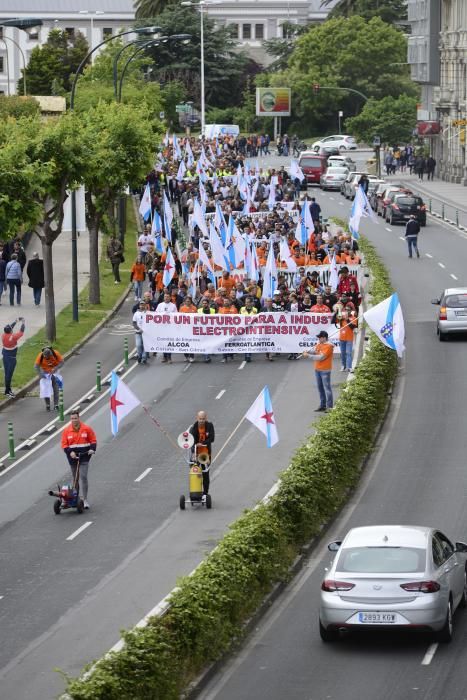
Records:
x=246, y=240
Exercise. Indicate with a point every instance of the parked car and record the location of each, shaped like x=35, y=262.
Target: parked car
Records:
x=378, y=193
x=327, y=151
x=341, y=141
x=452, y=312
x=345, y=189
x=393, y=576
x=402, y=206
x=333, y=178
x=313, y=166
x=355, y=182
x=373, y=185
x=342, y=161
x=386, y=198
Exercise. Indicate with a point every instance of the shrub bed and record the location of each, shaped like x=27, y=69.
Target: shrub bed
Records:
x=208, y=609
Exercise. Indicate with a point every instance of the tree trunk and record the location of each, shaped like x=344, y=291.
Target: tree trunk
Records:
x=50, y=325
x=94, y=279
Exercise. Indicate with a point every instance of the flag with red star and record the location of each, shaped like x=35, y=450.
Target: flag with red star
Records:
x=261, y=415
x=169, y=268
x=122, y=402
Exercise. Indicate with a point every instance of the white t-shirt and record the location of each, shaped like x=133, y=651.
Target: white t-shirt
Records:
x=138, y=317
x=143, y=242
x=165, y=308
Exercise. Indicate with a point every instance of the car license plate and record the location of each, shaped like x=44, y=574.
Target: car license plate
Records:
x=376, y=618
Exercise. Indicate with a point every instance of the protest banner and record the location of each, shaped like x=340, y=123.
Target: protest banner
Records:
x=292, y=332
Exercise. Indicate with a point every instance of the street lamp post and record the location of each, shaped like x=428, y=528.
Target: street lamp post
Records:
x=8, y=38
x=28, y=25
x=201, y=4
x=117, y=58
x=92, y=14
x=74, y=240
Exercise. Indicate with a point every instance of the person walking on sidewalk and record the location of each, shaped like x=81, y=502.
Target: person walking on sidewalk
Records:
x=430, y=167
x=412, y=229
x=115, y=255
x=14, y=277
x=47, y=364
x=79, y=443
x=35, y=273
x=9, y=352
x=323, y=355
x=3, y=283
x=137, y=276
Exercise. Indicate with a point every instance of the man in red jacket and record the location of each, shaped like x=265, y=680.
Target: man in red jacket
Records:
x=79, y=443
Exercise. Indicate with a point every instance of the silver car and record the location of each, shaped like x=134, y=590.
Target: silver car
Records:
x=333, y=178
x=393, y=576
x=452, y=313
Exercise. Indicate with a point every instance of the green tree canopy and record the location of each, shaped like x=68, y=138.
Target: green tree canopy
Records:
x=14, y=106
x=52, y=66
x=393, y=119
x=387, y=10
x=345, y=53
x=226, y=69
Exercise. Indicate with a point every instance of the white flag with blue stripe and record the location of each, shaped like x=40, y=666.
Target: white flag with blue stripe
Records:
x=261, y=415
x=145, y=204
x=386, y=320
x=270, y=275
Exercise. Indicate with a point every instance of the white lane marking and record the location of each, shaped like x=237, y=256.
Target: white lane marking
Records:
x=453, y=276
x=388, y=229
x=185, y=369
x=143, y=474
x=402, y=238
x=441, y=265
x=79, y=531
x=341, y=204
x=1, y=597
x=242, y=365
x=220, y=394
x=428, y=255
x=431, y=651
x=331, y=198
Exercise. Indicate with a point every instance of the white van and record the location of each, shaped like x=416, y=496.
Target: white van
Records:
x=212, y=131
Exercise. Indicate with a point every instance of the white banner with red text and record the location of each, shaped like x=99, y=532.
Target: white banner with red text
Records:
x=235, y=333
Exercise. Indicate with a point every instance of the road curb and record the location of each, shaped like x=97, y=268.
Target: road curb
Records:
x=22, y=391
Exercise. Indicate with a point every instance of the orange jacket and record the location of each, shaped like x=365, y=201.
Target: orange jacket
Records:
x=79, y=441
x=327, y=350
x=48, y=364
x=138, y=272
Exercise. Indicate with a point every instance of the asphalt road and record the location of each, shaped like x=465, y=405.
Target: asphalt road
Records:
x=417, y=475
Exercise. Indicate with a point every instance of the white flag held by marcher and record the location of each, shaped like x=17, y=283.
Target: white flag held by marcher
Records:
x=270, y=275
x=334, y=276
x=296, y=171
x=262, y=417
x=386, y=320
x=219, y=254
x=145, y=204
x=198, y=218
x=285, y=256
x=181, y=171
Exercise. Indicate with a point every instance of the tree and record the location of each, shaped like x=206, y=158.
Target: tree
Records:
x=282, y=49
x=14, y=106
x=225, y=67
x=392, y=119
x=150, y=8
x=51, y=66
x=365, y=56
x=120, y=148
x=387, y=10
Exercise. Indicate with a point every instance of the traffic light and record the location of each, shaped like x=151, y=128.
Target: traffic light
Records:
x=316, y=88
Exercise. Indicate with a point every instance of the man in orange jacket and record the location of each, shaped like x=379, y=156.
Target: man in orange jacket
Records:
x=323, y=365
x=79, y=443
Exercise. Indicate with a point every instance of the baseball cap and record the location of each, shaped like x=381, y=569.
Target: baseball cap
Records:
x=322, y=334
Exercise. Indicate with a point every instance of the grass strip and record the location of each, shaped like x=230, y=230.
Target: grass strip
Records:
x=209, y=609
x=70, y=333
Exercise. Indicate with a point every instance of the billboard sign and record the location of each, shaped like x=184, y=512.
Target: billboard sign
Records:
x=272, y=102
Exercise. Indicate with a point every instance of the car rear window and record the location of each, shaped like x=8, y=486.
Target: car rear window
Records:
x=334, y=171
x=456, y=301
x=408, y=201
x=311, y=162
x=381, y=560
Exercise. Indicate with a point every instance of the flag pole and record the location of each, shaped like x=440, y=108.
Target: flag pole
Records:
x=163, y=431
x=228, y=440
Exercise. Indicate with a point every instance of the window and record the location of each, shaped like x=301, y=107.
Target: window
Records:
x=1, y=65
x=235, y=30
x=70, y=32
x=247, y=31
x=106, y=32
x=259, y=31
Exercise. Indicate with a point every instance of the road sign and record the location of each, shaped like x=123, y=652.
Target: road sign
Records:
x=376, y=140
x=341, y=113
x=182, y=108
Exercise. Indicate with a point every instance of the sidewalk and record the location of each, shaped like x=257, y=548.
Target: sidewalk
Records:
x=35, y=315
x=452, y=196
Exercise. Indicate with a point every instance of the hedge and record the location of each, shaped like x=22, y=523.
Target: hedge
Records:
x=209, y=608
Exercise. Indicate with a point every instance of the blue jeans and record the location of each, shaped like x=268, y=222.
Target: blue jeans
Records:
x=323, y=380
x=138, y=289
x=15, y=284
x=9, y=364
x=346, y=353
x=412, y=243
x=2, y=287
x=37, y=293
x=140, y=351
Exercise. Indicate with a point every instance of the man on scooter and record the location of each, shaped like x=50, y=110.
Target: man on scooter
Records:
x=79, y=443
x=203, y=433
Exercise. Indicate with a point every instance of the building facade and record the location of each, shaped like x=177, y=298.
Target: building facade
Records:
x=253, y=22
x=437, y=54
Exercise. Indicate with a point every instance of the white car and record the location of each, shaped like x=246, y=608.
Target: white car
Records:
x=389, y=576
x=341, y=162
x=340, y=141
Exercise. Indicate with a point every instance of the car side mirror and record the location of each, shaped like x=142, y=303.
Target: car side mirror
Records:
x=436, y=301
x=461, y=547
x=335, y=546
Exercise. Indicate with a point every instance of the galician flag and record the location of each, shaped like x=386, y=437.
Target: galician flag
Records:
x=145, y=204
x=270, y=275
x=122, y=402
x=262, y=417
x=304, y=225
x=386, y=320
x=169, y=268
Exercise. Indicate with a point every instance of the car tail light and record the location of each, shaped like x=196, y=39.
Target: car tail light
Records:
x=330, y=585
x=421, y=586
x=395, y=206
x=443, y=314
